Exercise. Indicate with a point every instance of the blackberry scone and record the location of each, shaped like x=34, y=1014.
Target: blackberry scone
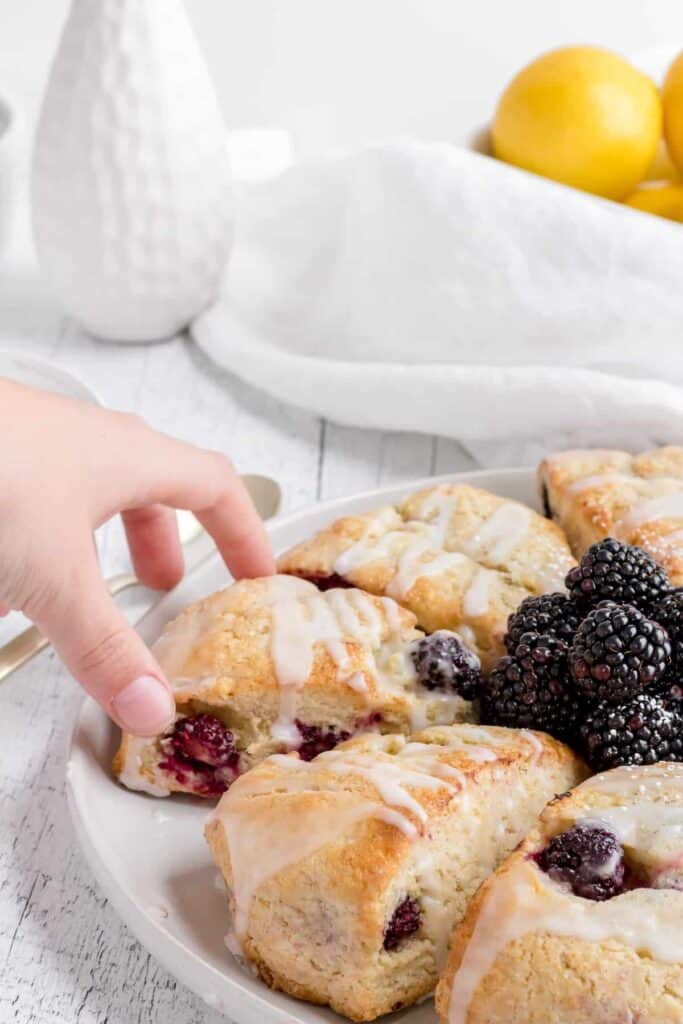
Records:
x=347, y=874
x=637, y=499
x=583, y=924
x=457, y=556
x=275, y=665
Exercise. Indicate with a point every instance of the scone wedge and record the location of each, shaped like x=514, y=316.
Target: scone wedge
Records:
x=638, y=499
x=272, y=665
x=347, y=874
x=457, y=556
x=583, y=924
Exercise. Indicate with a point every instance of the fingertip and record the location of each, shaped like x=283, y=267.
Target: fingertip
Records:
x=162, y=575
x=144, y=707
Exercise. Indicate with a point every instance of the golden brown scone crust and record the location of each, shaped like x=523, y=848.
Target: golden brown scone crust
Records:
x=457, y=556
x=314, y=916
x=542, y=975
x=638, y=499
x=218, y=657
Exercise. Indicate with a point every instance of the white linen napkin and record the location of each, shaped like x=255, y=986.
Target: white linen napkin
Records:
x=416, y=286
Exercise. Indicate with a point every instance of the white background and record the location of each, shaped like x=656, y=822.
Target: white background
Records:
x=347, y=70
x=331, y=73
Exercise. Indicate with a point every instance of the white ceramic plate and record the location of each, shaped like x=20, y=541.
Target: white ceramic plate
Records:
x=38, y=373
x=149, y=855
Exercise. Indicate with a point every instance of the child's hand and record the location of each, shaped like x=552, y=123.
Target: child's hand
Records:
x=65, y=468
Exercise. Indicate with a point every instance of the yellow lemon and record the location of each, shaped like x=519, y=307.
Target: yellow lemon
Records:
x=672, y=104
x=662, y=167
x=664, y=200
x=583, y=116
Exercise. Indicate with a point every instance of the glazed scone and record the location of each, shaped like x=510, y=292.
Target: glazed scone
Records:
x=459, y=557
x=583, y=924
x=638, y=499
x=347, y=874
x=273, y=665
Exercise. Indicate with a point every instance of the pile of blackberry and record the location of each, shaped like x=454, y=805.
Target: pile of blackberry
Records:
x=601, y=667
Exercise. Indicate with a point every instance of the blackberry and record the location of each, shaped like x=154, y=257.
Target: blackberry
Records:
x=326, y=581
x=405, y=921
x=641, y=731
x=532, y=689
x=553, y=614
x=587, y=858
x=204, y=738
x=201, y=754
x=443, y=662
x=612, y=571
x=669, y=613
x=316, y=739
x=670, y=692
x=617, y=652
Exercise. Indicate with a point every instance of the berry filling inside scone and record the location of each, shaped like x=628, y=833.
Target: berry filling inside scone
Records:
x=329, y=581
x=592, y=862
x=201, y=755
x=587, y=858
x=405, y=922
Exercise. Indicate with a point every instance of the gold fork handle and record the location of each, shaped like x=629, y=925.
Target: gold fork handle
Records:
x=26, y=645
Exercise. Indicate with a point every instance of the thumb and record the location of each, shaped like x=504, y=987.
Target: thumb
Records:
x=106, y=656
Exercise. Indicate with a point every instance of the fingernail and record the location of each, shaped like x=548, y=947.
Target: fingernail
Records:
x=145, y=707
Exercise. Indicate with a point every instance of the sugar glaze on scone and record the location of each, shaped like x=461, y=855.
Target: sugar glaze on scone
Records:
x=275, y=665
x=535, y=948
x=347, y=874
x=638, y=499
x=457, y=556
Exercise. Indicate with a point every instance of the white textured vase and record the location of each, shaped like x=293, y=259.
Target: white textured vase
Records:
x=132, y=202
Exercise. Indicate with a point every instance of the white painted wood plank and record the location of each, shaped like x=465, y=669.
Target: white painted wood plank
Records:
x=357, y=460
x=452, y=457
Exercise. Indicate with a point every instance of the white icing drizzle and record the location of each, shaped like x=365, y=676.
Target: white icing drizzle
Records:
x=202, y=619
x=500, y=534
x=632, y=782
x=443, y=503
x=257, y=851
x=393, y=614
x=416, y=548
x=467, y=635
x=666, y=506
x=534, y=742
x=390, y=780
x=477, y=595
x=419, y=560
x=331, y=619
x=596, y=455
x=525, y=900
x=357, y=682
x=367, y=550
x=654, y=830
x=437, y=709
x=584, y=483
x=131, y=775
